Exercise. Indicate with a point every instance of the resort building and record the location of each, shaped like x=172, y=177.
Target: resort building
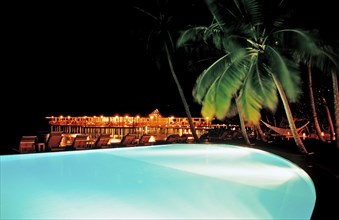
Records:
x=118, y=126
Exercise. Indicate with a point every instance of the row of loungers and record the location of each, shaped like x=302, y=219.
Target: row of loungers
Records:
x=30, y=144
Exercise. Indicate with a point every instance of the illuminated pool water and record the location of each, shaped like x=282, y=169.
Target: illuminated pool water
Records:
x=179, y=181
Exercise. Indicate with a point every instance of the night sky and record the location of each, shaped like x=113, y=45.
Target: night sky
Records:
x=91, y=59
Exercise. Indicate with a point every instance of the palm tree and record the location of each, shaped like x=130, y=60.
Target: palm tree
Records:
x=242, y=122
x=333, y=68
x=329, y=118
x=161, y=30
x=312, y=102
x=327, y=60
x=336, y=103
x=257, y=67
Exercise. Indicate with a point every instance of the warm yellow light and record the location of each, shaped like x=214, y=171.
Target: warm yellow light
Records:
x=114, y=140
x=152, y=139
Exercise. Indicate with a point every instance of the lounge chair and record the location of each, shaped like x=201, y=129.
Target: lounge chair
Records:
x=173, y=138
x=144, y=140
x=219, y=135
x=187, y=138
x=27, y=144
x=54, y=141
x=128, y=140
x=102, y=141
x=80, y=142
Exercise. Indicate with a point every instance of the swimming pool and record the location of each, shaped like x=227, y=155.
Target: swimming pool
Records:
x=177, y=181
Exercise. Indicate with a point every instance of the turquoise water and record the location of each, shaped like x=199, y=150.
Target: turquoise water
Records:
x=178, y=181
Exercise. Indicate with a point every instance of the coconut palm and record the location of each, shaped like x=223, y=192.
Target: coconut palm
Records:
x=322, y=102
x=258, y=66
x=161, y=31
x=336, y=103
x=312, y=103
x=331, y=65
x=326, y=59
x=334, y=69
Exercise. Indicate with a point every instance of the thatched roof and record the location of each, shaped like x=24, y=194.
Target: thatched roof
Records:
x=155, y=114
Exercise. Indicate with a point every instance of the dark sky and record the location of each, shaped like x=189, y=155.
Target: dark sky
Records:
x=91, y=59
x=83, y=58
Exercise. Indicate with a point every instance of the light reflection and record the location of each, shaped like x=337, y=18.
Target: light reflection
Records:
x=237, y=166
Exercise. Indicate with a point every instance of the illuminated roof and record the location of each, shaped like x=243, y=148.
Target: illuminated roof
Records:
x=155, y=113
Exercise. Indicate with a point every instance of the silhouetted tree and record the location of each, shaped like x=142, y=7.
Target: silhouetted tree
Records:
x=258, y=66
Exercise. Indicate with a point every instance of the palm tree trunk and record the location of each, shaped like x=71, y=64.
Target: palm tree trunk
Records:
x=183, y=99
x=261, y=133
x=336, y=104
x=314, y=111
x=289, y=116
x=242, y=124
x=329, y=119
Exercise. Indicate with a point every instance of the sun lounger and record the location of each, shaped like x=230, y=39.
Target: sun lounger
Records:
x=128, y=140
x=80, y=142
x=102, y=141
x=54, y=140
x=27, y=144
x=187, y=138
x=173, y=138
x=145, y=140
